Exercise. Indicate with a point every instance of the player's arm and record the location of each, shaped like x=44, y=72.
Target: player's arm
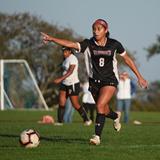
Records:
x=142, y=82
x=63, y=42
x=68, y=73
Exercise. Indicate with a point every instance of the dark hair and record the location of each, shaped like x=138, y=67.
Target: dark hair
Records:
x=65, y=48
x=108, y=34
x=68, y=49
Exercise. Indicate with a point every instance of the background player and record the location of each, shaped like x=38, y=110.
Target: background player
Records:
x=70, y=86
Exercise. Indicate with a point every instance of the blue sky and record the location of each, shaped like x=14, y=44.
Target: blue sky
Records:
x=134, y=23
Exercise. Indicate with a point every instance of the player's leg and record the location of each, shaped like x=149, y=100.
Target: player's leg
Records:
x=104, y=98
x=105, y=95
x=92, y=109
x=73, y=93
x=127, y=110
x=112, y=115
x=75, y=102
x=61, y=108
x=116, y=115
x=85, y=106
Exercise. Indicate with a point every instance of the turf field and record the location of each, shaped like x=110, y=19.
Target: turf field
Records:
x=70, y=142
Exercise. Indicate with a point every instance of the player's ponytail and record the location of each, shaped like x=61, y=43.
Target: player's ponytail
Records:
x=108, y=34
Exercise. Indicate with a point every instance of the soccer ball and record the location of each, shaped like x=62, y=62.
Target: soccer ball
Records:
x=29, y=138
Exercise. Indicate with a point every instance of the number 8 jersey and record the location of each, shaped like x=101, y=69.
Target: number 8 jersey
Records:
x=101, y=61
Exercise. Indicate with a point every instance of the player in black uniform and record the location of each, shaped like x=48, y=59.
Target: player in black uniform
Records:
x=100, y=56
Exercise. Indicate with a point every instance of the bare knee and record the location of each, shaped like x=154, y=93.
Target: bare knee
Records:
x=101, y=108
x=75, y=102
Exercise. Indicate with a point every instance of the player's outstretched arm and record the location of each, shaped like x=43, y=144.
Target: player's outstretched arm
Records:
x=142, y=82
x=63, y=42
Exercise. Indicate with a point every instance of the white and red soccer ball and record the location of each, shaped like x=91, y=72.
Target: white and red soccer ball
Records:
x=29, y=138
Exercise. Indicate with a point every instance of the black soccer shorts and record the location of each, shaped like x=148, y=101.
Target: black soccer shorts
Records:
x=96, y=85
x=72, y=90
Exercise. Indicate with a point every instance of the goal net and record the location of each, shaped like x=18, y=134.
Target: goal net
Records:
x=18, y=87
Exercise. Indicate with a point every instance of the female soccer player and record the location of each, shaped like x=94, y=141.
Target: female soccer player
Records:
x=70, y=86
x=100, y=54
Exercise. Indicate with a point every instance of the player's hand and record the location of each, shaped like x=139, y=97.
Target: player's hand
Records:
x=46, y=38
x=57, y=81
x=143, y=83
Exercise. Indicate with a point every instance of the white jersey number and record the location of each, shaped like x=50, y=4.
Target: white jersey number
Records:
x=101, y=62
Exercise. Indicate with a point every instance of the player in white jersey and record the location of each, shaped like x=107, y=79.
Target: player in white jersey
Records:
x=70, y=86
x=100, y=55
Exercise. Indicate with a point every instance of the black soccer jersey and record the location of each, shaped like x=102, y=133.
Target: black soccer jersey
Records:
x=101, y=61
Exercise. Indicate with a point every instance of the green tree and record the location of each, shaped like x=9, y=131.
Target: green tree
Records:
x=154, y=48
x=20, y=38
x=154, y=91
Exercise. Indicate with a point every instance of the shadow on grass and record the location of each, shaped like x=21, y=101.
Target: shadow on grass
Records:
x=56, y=139
x=64, y=139
x=9, y=135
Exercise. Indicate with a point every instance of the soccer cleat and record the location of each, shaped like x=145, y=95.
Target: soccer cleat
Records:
x=117, y=125
x=95, y=140
x=88, y=123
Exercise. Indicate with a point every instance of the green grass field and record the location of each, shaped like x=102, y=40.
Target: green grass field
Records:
x=70, y=142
